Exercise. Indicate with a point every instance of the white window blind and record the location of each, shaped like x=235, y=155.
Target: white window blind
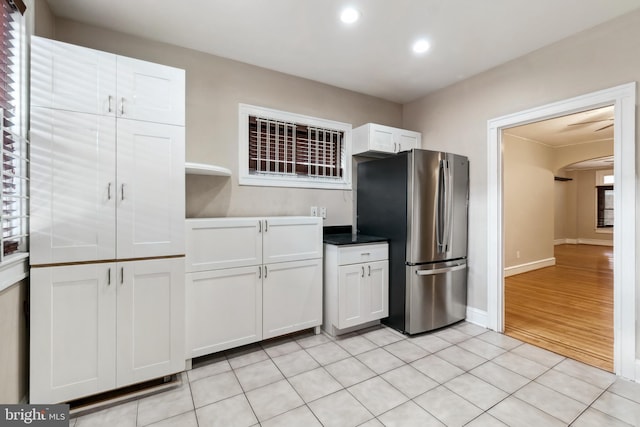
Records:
x=14, y=146
x=286, y=149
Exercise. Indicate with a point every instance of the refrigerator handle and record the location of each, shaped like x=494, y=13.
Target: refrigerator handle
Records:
x=441, y=270
x=440, y=212
x=448, y=194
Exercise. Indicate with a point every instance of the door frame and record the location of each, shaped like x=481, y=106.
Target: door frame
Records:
x=623, y=98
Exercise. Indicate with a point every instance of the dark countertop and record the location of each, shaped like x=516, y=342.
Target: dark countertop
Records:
x=351, y=239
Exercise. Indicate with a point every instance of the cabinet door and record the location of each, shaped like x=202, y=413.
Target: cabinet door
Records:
x=73, y=332
x=381, y=138
x=73, y=187
x=150, y=318
x=377, y=304
x=150, y=189
x=292, y=297
x=291, y=238
x=224, y=309
x=407, y=140
x=352, y=293
x=150, y=92
x=214, y=243
x=74, y=78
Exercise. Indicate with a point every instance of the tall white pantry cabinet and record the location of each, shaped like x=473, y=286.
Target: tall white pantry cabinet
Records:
x=107, y=221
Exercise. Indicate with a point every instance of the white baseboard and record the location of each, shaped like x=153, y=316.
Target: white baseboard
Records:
x=477, y=317
x=596, y=242
x=529, y=266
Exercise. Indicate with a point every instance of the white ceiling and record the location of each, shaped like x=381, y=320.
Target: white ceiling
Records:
x=373, y=56
x=584, y=127
x=579, y=128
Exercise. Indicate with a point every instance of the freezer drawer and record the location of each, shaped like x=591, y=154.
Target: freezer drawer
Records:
x=436, y=295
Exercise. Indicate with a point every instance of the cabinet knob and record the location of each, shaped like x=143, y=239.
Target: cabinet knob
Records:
x=369, y=270
x=109, y=105
x=121, y=275
x=362, y=270
x=109, y=276
x=122, y=106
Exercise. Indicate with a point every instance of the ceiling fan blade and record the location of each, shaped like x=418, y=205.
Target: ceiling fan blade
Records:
x=604, y=127
x=586, y=123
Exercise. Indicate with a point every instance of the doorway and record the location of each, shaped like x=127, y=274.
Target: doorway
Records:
x=558, y=281
x=623, y=98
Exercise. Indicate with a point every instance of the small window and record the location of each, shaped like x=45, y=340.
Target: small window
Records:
x=605, y=206
x=283, y=149
x=604, y=199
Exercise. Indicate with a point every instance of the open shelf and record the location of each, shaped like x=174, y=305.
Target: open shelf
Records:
x=204, y=169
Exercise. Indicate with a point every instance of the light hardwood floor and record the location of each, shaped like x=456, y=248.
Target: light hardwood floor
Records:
x=567, y=308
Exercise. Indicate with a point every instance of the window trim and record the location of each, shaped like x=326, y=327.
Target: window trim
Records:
x=246, y=178
x=14, y=267
x=600, y=182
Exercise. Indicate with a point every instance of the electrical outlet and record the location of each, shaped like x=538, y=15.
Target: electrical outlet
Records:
x=314, y=211
x=323, y=212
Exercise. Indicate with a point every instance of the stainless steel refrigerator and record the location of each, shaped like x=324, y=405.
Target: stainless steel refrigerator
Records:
x=419, y=200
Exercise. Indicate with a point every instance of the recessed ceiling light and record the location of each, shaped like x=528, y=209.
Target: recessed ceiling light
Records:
x=421, y=46
x=349, y=15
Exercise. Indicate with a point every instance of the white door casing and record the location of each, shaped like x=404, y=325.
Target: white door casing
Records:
x=623, y=98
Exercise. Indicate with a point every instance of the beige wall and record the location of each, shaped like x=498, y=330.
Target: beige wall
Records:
x=455, y=118
x=576, y=208
x=13, y=350
x=214, y=88
x=528, y=201
x=566, y=202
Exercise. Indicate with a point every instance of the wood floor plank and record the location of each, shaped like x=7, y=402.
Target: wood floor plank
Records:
x=567, y=308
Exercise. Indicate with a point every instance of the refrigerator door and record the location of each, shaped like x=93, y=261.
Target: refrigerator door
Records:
x=438, y=186
x=436, y=295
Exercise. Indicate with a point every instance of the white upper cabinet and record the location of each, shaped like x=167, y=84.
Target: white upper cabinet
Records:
x=150, y=189
x=107, y=156
x=80, y=79
x=73, y=186
x=150, y=92
x=73, y=78
x=377, y=140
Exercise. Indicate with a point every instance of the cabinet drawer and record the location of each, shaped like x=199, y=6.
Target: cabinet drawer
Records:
x=214, y=243
x=362, y=253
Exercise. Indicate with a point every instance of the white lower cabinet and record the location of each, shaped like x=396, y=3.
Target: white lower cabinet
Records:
x=291, y=297
x=224, y=309
x=96, y=327
x=236, y=295
x=356, y=286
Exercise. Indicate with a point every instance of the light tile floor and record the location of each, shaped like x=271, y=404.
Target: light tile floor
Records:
x=463, y=375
